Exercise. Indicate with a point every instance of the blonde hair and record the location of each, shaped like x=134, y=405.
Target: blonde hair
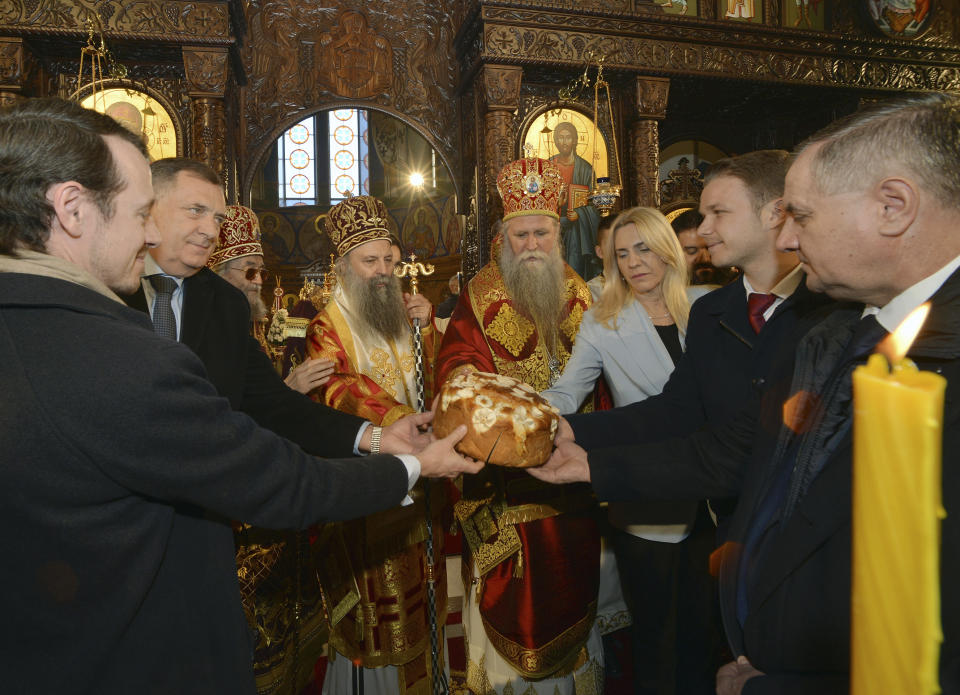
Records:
x=658, y=235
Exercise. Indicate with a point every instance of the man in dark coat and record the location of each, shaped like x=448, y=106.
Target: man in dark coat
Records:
x=119, y=458
x=873, y=212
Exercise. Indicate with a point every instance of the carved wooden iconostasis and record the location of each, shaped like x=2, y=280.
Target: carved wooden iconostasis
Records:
x=464, y=80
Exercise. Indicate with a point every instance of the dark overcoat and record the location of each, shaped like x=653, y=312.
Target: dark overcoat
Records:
x=118, y=465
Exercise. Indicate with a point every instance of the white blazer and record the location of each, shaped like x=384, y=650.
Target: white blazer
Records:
x=631, y=357
x=636, y=365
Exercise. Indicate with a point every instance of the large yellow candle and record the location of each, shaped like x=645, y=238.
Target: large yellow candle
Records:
x=897, y=508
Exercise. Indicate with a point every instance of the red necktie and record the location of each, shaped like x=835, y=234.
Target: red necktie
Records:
x=757, y=303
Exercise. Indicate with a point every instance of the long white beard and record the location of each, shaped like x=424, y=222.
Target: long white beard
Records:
x=537, y=288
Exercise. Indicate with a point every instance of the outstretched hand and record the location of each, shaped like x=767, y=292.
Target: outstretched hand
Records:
x=404, y=436
x=440, y=459
x=564, y=432
x=567, y=464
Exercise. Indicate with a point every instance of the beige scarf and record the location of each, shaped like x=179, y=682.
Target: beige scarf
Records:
x=35, y=263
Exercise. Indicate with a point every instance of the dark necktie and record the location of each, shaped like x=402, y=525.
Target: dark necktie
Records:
x=757, y=303
x=164, y=322
x=865, y=336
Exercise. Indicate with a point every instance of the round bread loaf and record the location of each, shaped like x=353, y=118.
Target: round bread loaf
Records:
x=508, y=423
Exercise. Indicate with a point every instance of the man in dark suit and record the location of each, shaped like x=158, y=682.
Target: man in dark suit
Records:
x=728, y=358
x=212, y=318
x=872, y=211
x=120, y=461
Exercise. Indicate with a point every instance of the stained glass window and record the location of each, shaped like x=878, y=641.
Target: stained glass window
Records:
x=339, y=137
x=348, y=153
x=296, y=163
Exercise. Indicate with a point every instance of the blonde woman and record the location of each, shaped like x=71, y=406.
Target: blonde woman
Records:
x=633, y=336
x=634, y=332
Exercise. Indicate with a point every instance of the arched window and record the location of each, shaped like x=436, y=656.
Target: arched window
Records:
x=324, y=159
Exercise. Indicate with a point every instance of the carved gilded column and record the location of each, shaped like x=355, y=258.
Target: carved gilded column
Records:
x=206, y=71
x=645, y=139
x=501, y=92
x=12, y=72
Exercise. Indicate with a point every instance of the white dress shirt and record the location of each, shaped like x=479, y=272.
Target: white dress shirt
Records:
x=897, y=309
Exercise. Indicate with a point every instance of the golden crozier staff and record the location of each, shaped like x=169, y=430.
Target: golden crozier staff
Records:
x=413, y=269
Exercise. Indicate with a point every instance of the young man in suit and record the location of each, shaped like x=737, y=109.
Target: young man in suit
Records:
x=734, y=331
x=728, y=359
x=120, y=460
x=872, y=212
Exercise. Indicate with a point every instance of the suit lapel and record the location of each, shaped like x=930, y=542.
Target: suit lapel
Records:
x=733, y=316
x=197, y=305
x=800, y=295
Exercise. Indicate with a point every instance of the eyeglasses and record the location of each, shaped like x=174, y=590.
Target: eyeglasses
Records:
x=251, y=273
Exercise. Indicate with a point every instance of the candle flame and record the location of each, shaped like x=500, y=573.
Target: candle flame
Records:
x=896, y=345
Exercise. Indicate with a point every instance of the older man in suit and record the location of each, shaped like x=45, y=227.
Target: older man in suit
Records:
x=190, y=303
x=732, y=340
x=872, y=212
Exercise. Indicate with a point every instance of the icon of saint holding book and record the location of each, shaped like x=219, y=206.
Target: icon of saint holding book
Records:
x=578, y=219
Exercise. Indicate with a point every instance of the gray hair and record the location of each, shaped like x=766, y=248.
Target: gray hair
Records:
x=921, y=133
